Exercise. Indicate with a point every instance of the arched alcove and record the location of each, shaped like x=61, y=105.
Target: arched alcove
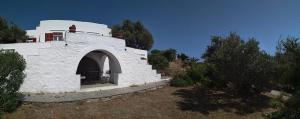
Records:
x=91, y=68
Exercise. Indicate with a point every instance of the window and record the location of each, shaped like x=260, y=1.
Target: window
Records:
x=58, y=36
x=31, y=40
x=48, y=37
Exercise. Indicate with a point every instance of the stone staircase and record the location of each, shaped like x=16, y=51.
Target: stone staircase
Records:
x=144, y=70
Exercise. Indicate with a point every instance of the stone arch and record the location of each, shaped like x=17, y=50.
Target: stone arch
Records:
x=90, y=67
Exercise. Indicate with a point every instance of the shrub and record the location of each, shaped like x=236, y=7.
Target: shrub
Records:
x=276, y=103
x=197, y=72
x=181, y=80
x=238, y=65
x=170, y=54
x=290, y=110
x=288, y=63
x=158, y=61
x=12, y=66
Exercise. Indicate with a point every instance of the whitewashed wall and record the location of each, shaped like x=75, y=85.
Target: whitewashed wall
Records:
x=48, y=26
x=51, y=67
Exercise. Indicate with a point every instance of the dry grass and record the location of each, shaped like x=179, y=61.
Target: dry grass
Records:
x=175, y=67
x=164, y=103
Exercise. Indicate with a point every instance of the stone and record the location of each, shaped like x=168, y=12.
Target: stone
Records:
x=275, y=93
x=285, y=98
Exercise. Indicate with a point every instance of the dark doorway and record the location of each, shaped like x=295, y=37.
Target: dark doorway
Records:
x=89, y=71
x=94, y=72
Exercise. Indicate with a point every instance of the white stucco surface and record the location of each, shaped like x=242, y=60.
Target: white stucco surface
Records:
x=48, y=26
x=51, y=66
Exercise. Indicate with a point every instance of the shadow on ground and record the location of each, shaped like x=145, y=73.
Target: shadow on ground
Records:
x=204, y=101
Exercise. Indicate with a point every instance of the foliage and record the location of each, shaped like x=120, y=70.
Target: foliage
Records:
x=291, y=110
x=276, y=103
x=170, y=54
x=1, y=114
x=135, y=34
x=10, y=33
x=194, y=74
x=160, y=58
x=158, y=61
x=197, y=72
x=288, y=63
x=11, y=77
x=183, y=57
x=156, y=51
x=237, y=65
x=181, y=80
x=288, y=59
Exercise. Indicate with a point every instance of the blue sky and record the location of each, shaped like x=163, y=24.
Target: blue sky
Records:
x=185, y=25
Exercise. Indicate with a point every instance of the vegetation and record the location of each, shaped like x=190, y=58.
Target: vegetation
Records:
x=232, y=67
x=12, y=66
x=195, y=73
x=170, y=54
x=288, y=68
x=158, y=61
x=10, y=33
x=239, y=68
x=183, y=57
x=181, y=80
x=135, y=34
x=238, y=65
x=288, y=64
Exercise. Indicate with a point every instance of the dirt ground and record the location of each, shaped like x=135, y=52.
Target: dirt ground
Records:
x=165, y=103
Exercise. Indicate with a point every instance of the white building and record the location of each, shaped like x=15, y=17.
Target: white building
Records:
x=86, y=60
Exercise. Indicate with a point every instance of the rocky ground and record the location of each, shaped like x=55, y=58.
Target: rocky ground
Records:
x=164, y=103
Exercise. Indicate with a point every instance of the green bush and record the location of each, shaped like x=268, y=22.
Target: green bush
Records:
x=288, y=67
x=238, y=65
x=288, y=63
x=290, y=110
x=158, y=61
x=181, y=80
x=12, y=66
x=276, y=103
x=170, y=54
x=197, y=72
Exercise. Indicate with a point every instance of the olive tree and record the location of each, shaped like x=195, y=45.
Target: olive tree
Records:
x=10, y=33
x=237, y=64
x=134, y=33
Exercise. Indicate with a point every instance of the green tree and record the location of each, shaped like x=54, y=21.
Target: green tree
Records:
x=288, y=63
x=183, y=57
x=238, y=65
x=288, y=68
x=134, y=33
x=10, y=33
x=170, y=54
x=12, y=66
x=156, y=51
x=158, y=61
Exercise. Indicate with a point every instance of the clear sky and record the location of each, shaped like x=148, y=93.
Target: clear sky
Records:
x=185, y=25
